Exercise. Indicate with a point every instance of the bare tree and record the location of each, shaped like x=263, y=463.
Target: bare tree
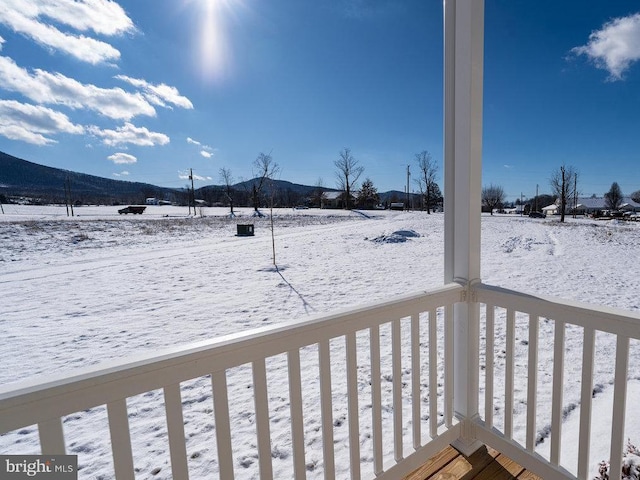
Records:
x=427, y=177
x=264, y=169
x=493, y=197
x=564, y=185
x=613, y=197
x=227, y=178
x=348, y=171
x=318, y=196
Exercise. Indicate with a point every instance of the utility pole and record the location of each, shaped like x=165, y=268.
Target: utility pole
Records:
x=408, y=176
x=521, y=203
x=192, y=198
x=67, y=194
x=575, y=193
x=66, y=197
x=536, y=201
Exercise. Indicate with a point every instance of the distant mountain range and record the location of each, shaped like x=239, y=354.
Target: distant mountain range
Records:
x=24, y=181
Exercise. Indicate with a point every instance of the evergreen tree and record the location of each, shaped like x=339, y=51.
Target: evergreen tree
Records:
x=613, y=197
x=368, y=195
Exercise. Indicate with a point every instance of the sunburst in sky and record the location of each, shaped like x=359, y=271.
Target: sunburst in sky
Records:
x=212, y=51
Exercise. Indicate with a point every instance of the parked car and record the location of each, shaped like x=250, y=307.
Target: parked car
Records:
x=136, y=210
x=537, y=215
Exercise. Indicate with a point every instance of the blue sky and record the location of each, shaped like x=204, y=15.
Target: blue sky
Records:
x=143, y=90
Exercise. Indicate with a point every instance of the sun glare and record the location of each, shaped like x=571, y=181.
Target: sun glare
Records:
x=212, y=53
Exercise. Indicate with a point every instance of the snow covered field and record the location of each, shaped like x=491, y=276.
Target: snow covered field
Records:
x=79, y=291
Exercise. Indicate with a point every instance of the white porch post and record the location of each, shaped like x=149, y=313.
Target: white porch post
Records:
x=463, y=71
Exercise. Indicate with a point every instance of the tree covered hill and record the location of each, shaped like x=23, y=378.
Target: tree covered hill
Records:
x=38, y=183
x=24, y=181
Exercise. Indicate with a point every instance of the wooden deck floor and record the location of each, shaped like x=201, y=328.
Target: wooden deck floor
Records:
x=485, y=464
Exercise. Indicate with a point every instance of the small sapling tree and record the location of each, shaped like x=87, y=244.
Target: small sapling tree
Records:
x=227, y=178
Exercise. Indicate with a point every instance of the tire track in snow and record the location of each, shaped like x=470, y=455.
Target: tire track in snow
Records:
x=200, y=247
x=555, y=249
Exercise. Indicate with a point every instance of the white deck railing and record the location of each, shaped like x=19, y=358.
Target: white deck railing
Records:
x=560, y=316
x=409, y=420
x=409, y=325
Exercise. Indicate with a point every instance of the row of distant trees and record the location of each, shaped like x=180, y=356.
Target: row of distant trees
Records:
x=564, y=187
x=348, y=171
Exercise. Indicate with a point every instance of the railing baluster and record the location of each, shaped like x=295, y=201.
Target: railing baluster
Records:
x=175, y=429
x=532, y=381
x=448, y=365
x=396, y=366
x=584, y=442
x=223, y=426
x=558, y=392
x=433, y=373
x=261, y=400
x=489, y=359
x=120, y=440
x=508, y=373
x=51, y=437
x=352, y=405
x=619, y=406
x=376, y=399
x=297, y=418
x=415, y=380
x=326, y=406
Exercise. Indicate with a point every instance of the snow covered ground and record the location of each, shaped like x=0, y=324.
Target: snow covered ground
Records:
x=79, y=291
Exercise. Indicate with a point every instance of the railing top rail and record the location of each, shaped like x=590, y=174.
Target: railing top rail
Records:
x=39, y=399
x=598, y=317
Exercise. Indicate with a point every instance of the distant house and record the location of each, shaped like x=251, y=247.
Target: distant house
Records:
x=628, y=205
x=152, y=201
x=517, y=210
x=332, y=200
x=592, y=205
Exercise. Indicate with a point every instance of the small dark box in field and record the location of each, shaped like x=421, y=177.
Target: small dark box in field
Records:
x=245, y=230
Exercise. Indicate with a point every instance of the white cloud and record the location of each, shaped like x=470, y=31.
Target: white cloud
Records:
x=129, y=134
x=32, y=123
x=124, y=173
x=1, y=42
x=122, y=158
x=206, y=151
x=158, y=94
x=615, y=46
x=185, y=176
x=105, y=17
x=55, y=88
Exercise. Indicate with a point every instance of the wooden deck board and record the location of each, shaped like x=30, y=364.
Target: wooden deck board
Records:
x=484, y=464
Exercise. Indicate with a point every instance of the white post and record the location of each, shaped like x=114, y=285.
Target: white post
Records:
x=463, y=70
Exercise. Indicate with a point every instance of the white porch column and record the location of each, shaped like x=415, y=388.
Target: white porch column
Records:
x=463, y=71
